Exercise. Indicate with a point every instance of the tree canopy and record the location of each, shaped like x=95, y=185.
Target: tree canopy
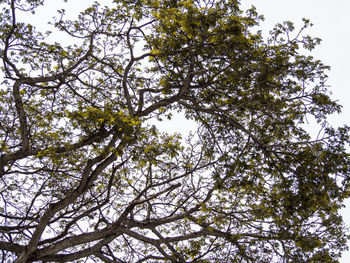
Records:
x=85, y=174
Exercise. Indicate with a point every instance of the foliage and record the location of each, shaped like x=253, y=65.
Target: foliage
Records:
x=85, y=174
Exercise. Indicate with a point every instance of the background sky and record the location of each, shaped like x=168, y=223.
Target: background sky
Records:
x=331, y=23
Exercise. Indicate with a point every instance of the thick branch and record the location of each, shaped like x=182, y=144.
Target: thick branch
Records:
x=22, y=116
x=168, y=101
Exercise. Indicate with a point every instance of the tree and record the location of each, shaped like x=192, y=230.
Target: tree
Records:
x=86, y=175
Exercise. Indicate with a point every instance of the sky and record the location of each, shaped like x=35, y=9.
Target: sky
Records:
x=331, y=24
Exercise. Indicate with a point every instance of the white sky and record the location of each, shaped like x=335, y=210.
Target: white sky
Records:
x=331, y=24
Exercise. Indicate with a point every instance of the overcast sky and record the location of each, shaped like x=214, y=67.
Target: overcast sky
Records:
x=331, y=24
